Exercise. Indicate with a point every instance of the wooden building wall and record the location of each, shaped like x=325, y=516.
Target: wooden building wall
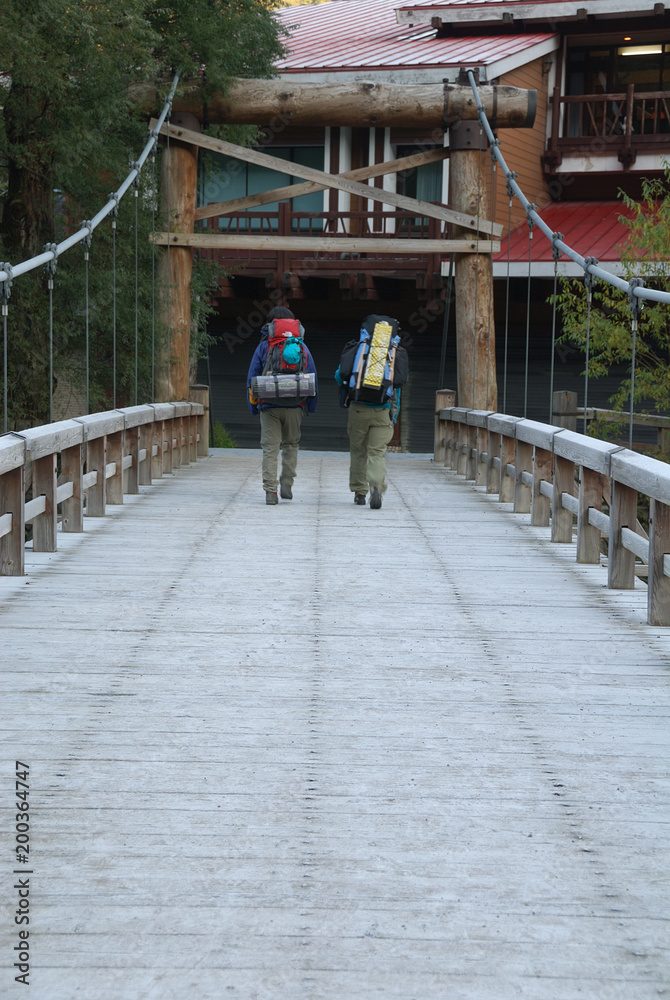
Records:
x=522, y=149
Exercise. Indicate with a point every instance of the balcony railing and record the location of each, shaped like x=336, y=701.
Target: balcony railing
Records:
x=625, y=124
x=284, y=222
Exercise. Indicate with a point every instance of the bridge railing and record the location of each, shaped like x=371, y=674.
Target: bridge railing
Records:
x=81, y=466
x=572, y=484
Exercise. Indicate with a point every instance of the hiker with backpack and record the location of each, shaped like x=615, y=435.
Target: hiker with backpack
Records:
x=371, y=372
x=281, y=385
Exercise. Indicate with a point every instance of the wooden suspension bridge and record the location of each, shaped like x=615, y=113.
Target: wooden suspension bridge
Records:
x=324, y=751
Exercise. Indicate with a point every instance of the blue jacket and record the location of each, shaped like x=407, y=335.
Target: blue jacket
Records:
x=256, y=368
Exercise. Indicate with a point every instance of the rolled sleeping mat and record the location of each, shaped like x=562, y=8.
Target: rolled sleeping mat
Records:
x=284, y=387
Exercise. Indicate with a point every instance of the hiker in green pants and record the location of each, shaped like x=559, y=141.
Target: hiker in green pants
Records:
x=371, y=371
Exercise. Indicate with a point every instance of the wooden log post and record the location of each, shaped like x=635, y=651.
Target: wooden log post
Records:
x=658, y=590
x=475, y=329
x=179, y=177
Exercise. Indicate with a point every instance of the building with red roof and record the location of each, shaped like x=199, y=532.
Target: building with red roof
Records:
x=601, y=70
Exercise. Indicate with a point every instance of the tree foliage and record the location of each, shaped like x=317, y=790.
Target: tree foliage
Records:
x=73, y=83
x=645, y=255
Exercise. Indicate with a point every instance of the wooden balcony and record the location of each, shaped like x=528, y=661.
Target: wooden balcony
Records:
x=355, y=272
x=624, y=124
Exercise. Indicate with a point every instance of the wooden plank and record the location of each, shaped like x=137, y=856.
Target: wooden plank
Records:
x=291, y=191
x=479, y=810
x=324, y=244
x=421, y=208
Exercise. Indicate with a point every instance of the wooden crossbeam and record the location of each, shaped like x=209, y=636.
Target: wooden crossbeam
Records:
x=419, y=208
x=410, y=162
x=324, y=244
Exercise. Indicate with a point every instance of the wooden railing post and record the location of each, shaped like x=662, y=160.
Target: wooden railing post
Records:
x=44, y=485
x=564, y=409
x=507, y=450
x=200, y=394
x=443, y=398
x=12, y=511
x=493, y=469
x=658, y=592
x=523, y=462
x=591, y=488
x=543, y=468
x=72, y=471
x=115, y=450
x=623, y=514
x=564, y=482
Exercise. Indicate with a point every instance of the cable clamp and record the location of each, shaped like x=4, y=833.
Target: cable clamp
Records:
x=636, y=303
x=135, y=165
x=511, y=176
x=6, y=287
x=555, y=237
x=492, y=150
x=50, y=266
x=529, y=216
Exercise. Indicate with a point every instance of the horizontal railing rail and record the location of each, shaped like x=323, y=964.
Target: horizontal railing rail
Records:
x=573, y=484
x=101, y=457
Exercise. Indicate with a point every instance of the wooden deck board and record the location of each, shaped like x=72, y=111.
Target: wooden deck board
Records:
x=262, y=769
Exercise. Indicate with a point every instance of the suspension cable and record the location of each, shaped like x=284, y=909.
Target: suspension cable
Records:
x=556, y=255
x=60, y=248
x=641, y=292
x=445, y=324
x=510, y=194
x=114, y=213
x=87, y=248
x=494, y=164
x=136, y=185
x=5, y=293
x=50, y=270
x=530, y=255
x=635, y=309
x=588, y=284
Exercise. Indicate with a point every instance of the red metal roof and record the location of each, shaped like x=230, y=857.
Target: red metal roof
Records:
x=364, y=34
x=592, y=228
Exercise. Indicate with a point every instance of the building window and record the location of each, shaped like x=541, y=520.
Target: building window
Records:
x=224, y=179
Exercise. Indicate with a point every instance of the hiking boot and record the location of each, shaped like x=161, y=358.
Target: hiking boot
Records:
x=271, y=497
x=359, y=498
x=285, y=490
x=375, y=499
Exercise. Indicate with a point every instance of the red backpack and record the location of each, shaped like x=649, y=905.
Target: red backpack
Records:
x=286, y=350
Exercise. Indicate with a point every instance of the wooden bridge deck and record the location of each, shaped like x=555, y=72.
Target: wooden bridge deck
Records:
x=319, y=751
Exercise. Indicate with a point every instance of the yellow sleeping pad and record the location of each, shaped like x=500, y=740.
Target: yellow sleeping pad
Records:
x=378, y=353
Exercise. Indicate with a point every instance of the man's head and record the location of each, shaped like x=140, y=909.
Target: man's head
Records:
x=280, y=312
